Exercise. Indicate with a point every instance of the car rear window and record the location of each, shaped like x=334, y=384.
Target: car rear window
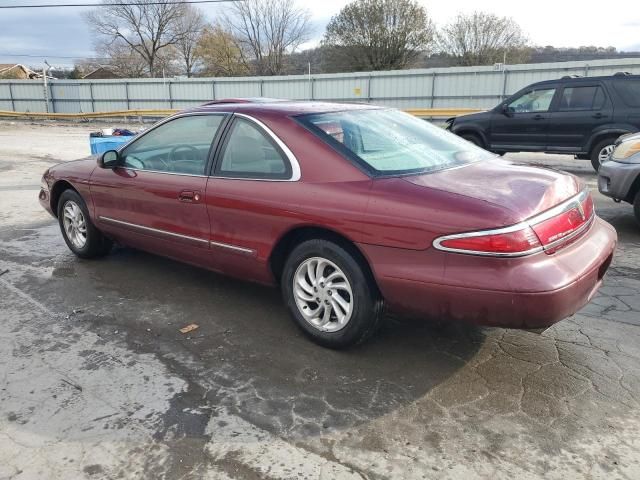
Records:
x=582, y=98
x=629, y=90
x=388, y=142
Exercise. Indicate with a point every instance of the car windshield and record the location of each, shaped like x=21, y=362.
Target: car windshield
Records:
x=390, y=142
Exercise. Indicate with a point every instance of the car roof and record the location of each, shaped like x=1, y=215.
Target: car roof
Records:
x=580, y=79
x=277, y=106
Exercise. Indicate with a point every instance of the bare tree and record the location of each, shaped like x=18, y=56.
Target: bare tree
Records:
x=268, y=30
x=379, y=34
x=483, y=39
x=118, y=57
x=219, y=53
x=145, y=26
x=191, y=24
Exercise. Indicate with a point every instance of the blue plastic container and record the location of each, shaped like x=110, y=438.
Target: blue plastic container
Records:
x=102, y=144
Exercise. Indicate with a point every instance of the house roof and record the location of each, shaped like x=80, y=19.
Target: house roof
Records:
x=7, y=67
x=99, y=69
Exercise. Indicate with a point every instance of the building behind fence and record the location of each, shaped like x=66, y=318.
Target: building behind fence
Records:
x=458, y=87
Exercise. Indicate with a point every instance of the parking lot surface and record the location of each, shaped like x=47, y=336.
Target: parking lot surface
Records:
x=98, y=382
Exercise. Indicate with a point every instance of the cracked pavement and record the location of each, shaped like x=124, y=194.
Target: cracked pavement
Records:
x=97, y=382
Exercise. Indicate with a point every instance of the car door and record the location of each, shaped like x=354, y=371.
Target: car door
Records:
x=579, y=111
x=521, y=123
x=253, y=175
x=155, y=198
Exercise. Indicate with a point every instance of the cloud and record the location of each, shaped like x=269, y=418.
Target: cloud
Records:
x=45, y=33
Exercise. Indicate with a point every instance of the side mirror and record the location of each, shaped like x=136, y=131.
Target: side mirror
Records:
x=507, y=110
x=109, y=159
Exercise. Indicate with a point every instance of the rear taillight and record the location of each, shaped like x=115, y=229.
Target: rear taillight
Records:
x=508, y=242
x=562, y=223
x=548, y=231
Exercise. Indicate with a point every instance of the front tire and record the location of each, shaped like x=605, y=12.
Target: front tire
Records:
x=329, y=294
x=79, y=233
x=636, y=207
x=473, y=138
x=601, y=152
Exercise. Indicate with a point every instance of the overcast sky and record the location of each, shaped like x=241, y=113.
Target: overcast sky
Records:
x=53, y=33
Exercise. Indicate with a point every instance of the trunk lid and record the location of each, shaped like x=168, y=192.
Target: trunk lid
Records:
x=523, y=190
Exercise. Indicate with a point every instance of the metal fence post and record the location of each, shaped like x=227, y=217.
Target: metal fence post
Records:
x=262, y=87
x=45, y=90
x=13, y=103
x=213, y=89
x=433, y=88
x=505, y=74
x=126, y=91
x=93, y=103
x=313, y=84
x=170, y=95
x=369, y=88
x=53, y=100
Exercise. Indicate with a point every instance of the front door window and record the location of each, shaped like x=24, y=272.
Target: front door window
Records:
x=179, y=146
x=533, y=101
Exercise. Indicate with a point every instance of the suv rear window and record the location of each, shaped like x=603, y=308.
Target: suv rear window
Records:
x=582, y=98
x=629, y=90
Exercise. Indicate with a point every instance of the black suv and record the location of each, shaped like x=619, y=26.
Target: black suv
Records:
x=577, y=115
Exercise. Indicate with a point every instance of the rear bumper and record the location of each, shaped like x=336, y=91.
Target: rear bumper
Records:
x=529, y=292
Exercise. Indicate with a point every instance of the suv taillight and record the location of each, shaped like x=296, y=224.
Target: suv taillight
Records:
x=548, y=231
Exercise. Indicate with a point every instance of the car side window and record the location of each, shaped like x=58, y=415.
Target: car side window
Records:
x=582, y=98
x=179, y=146
x=533, y=101
x=250, y=153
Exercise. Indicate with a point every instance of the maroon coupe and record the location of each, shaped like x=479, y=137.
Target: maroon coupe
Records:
x=348, y=208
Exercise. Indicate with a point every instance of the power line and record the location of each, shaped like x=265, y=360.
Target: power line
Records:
x=47, y=55
x=131, y=4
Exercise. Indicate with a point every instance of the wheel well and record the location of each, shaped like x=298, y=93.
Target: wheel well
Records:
x=298, y=235
x=600, y=138
x=473, y=133
x=59, y=187
x=635, y=188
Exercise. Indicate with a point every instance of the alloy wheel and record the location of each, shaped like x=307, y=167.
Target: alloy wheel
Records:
x=323, y=294
x=75, y=225
x=605, y=153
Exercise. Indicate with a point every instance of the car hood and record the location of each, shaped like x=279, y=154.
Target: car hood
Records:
x=522, y=190
x=471, y=117
x=628, y=136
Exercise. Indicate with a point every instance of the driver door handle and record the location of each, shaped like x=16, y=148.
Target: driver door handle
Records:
x=189, y=196
x=599, y=115
x=538, y=117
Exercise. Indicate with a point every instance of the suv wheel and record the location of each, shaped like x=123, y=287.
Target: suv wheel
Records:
x=329, y=295
x=601, y=152
x=636, y=207
x=79, y=233
x=473, y=138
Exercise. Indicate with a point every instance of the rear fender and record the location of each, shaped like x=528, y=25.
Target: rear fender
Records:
x=610, y=131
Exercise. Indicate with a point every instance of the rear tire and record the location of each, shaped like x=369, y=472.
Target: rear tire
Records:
x=315, y=274
x=79, y=233
x=601, y=151
x=636, y=207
